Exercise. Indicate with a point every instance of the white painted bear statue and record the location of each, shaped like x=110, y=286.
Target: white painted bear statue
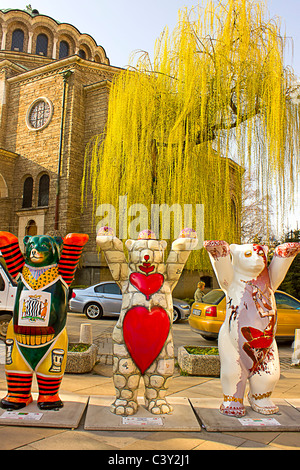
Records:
x=247, y=346
x=142, y=337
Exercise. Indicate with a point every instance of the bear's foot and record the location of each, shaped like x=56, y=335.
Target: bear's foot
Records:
x=49, y=402
x=124, y=407
x=159, y=406
x=12, y=403
x=235, y=409
x=263, y=405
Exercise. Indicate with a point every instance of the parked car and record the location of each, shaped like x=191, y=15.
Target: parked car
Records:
x=106, y=299
x=8, y=289
x=206, y=317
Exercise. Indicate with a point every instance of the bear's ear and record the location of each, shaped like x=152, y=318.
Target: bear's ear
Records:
x=25, y=240
x=129, y=243
x=233, y=248
x=58, y=240
x=163, y=244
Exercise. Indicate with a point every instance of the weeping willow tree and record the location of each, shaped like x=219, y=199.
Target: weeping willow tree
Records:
x=216, y=88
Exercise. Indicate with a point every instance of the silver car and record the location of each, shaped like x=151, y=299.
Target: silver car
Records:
x=106, y=299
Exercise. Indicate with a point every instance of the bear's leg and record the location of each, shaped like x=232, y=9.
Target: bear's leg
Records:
x=48, y=392
x=262, y=383
x=157, y=379
x=126, y=381
x=18, y=375
x=18, y=390
x=233, y=377
x=233, y=385
x=50, y=371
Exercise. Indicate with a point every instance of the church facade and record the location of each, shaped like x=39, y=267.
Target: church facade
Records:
x=54, y=87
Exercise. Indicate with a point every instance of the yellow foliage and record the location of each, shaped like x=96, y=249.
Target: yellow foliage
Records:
x=216, y=84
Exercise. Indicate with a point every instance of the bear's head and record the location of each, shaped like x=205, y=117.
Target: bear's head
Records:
x=249, y=259
x=42, y=250
x=146, y=253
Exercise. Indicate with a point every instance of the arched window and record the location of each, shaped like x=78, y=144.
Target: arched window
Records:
x=43, y=191
x=31, y=228
x=63, y=49
x=17, y=40
x=82, y=54
x=27, y=192
x=41, y=44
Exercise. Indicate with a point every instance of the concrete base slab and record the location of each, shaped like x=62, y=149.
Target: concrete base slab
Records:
x=100, y=418
x=67, y=417
x=287, y=419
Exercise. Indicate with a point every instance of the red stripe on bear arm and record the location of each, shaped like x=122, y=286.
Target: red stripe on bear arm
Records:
x=71, y=252
x=12, y=254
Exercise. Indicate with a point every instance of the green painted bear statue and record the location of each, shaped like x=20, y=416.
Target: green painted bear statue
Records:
x=36, y=340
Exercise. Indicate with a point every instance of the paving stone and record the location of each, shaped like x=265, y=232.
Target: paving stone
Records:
x=70, y=440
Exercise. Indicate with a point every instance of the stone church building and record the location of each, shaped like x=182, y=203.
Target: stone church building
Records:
x=54, y=90
x=54, y=86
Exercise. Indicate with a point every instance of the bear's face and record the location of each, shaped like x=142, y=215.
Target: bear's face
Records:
x=42, y=250
x=249, y=259
x=146, y=255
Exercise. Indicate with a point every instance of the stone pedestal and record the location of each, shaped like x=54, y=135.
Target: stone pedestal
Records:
x=99, y=417
x=86, y=335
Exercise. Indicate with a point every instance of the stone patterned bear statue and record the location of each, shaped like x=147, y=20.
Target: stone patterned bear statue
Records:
x=143, y=342
x=36, y=339
x=247, y=343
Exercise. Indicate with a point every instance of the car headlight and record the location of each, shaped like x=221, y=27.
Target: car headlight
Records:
x=185, y=306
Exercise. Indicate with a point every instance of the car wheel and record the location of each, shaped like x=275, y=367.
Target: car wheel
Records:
x=4, y=322
x=176, y=315
x=93, y=311
x=209, y=338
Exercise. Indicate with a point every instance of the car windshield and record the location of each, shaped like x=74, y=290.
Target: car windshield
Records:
x=213, y=297
x=284, y=301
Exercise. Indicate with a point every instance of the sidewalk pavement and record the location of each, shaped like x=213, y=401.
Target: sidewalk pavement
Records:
x=99, y=382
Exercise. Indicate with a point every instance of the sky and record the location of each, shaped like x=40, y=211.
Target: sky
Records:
x=125, y=26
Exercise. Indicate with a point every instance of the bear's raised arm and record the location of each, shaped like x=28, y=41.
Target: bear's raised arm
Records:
x=281, y=261
x=113, y=251
x=219, y=254
x=9, y=247
x=179, y=253
x=72, y=248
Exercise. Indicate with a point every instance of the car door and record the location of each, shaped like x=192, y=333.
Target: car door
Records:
x=110, y=297
x=288, y=311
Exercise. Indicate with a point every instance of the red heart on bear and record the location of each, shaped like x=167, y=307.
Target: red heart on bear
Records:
x=148, y=285
x=145, y=332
